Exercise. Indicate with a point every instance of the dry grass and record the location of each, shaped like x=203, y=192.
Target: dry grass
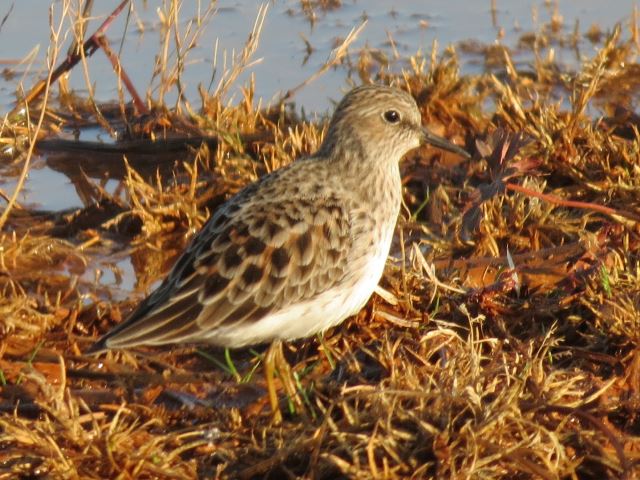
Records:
x=504, y=345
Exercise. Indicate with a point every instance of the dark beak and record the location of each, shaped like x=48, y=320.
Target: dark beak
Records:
x=444, y=144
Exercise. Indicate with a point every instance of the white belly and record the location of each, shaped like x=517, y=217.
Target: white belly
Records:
x=310, y=317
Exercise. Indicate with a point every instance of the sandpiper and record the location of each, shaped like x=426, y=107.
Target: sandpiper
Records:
x=298, y=251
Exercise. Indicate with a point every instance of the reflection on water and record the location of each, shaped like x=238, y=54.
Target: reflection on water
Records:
x=46, y=188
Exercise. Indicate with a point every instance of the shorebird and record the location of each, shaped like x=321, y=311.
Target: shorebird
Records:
x=299, y=250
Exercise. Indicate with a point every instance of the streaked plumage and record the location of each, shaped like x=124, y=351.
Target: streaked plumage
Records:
x=299, y=250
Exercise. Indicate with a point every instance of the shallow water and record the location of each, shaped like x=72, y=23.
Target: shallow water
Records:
x=413, y=25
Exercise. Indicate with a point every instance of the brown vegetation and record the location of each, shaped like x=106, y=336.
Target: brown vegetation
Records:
x=503, y=342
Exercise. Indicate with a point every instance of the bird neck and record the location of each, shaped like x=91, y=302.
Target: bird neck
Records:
x=368, y=174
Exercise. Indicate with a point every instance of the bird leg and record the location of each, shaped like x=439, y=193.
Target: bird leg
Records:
x=270, y=375
x=275, y=358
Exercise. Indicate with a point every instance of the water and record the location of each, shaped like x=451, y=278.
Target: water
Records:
x=413, y=25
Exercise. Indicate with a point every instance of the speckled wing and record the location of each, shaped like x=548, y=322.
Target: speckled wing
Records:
x=252, y=258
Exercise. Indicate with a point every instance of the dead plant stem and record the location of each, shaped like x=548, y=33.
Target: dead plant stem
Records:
x=572, y=203
x=55, y=49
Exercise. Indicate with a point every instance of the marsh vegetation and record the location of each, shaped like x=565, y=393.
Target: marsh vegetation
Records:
x=503, y=341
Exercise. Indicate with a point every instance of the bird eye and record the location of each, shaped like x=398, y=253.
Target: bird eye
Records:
x=391, y=116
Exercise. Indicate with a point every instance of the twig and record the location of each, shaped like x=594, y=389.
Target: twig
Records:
x=81, y=26
x=572, y=203
x=117, y=67
x=335, y=57
x=7, y=199
x=278, y=457
x=32, y=143
x=89, y=47
x=241, y=61
x=600, y=425
x=4, y=19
